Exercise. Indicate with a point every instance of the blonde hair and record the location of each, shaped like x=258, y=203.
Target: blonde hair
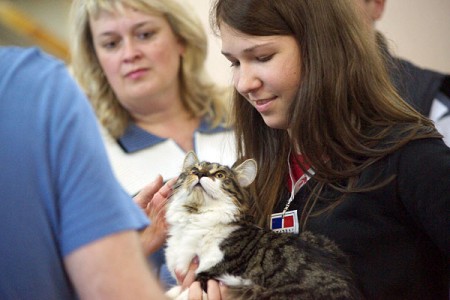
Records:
x=200, y=96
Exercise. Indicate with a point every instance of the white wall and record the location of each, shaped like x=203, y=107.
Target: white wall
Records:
x=418, y=30
x=218, y=66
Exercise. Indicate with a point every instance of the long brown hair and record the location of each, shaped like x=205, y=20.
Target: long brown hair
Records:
x=346, y=111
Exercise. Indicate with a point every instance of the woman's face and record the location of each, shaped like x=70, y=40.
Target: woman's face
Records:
x=266, y=71
x=139, y=55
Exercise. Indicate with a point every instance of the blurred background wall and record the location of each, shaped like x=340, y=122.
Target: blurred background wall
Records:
x=417, y=30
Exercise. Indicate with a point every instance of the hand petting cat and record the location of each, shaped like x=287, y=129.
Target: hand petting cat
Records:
x=152, y=199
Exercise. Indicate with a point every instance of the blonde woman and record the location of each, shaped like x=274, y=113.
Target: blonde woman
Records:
x=141, y=62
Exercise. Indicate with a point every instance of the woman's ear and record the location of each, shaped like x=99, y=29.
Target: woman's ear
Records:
x=375, y=8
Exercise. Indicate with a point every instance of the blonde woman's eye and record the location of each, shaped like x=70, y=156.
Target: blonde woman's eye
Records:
x=146, y=35
x=110, y=45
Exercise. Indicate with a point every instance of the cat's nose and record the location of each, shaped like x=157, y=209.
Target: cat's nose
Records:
x=201, y=174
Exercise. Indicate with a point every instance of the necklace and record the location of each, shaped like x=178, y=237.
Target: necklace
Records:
x=296, y=186
x=287, y=221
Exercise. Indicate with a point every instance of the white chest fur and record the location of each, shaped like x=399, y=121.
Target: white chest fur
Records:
x=200, y=234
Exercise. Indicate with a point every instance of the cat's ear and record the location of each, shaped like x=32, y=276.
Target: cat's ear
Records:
x=190, y=160
x=246, y=172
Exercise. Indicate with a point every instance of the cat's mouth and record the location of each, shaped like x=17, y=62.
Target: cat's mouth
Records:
x=199, y=188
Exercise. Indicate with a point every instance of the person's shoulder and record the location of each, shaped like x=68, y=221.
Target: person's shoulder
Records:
x=425, y=144
x=421, y=79
x=30, y=67
x=424, y=153
x=445, y=86
x=28, y=57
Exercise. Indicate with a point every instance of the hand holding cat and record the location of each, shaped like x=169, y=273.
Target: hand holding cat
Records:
x=152, y=199
x=216, y=291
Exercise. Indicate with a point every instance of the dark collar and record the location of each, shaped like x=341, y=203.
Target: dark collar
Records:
x=136, y=138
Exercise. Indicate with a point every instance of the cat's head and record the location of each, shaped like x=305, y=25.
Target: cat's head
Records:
x=207, y=186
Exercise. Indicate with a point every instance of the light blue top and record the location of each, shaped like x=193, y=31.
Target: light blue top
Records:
x=57, y=190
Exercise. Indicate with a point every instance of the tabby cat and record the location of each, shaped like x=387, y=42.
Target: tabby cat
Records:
x=207, y=217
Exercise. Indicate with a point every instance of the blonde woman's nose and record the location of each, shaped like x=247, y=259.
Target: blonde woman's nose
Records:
x=131, y=50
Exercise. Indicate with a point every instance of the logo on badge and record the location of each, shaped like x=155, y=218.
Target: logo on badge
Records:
x=285, y=224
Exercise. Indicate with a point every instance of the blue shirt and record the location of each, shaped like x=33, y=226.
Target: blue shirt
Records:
x=57, y=190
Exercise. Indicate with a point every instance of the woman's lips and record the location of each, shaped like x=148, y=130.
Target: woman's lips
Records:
x=136, y=74
x=264, y=104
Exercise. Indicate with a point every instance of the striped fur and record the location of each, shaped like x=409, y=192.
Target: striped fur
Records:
x=207, y=217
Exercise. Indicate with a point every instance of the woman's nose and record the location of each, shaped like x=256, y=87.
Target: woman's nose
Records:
x=131, y=51
x=246, y=80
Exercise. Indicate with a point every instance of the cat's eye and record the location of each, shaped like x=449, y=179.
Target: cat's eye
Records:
x=219, y=175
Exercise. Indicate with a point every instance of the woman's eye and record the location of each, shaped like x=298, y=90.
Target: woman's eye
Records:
x=145, y=35
x=234, y=64
x=264, y=58
x=109, y=45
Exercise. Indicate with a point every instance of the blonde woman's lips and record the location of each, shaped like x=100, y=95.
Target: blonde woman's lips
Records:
x=136, y=74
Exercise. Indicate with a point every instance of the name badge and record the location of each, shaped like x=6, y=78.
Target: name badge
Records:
x=285, y=223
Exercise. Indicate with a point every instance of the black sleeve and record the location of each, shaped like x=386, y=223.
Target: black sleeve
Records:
x=445, y=86
x=424, y=188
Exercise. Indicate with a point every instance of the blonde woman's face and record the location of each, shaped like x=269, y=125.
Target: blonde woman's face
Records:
x=266, y=71
x=139, y=55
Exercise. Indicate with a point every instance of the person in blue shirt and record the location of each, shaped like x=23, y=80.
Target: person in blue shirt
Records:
x=68, y=229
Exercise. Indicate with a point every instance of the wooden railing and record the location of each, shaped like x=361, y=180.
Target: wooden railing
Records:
x=24, y=25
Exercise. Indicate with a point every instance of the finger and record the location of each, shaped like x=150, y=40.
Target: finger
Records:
x=188, y=278
x=160, y=198
x=195, y=291
x=214, y=292
x=166, y=190
x=146, y=194
x=223, y=290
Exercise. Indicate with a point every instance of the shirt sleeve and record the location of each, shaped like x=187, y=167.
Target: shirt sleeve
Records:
x=424, y=188
x=91, y=204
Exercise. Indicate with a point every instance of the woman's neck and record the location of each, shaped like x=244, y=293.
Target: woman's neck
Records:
x=171, y=121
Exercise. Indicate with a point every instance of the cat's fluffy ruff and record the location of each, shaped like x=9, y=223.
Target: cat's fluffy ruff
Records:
x=207, y=229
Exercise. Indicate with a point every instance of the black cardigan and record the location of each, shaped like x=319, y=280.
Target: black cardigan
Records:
x=397, y=237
